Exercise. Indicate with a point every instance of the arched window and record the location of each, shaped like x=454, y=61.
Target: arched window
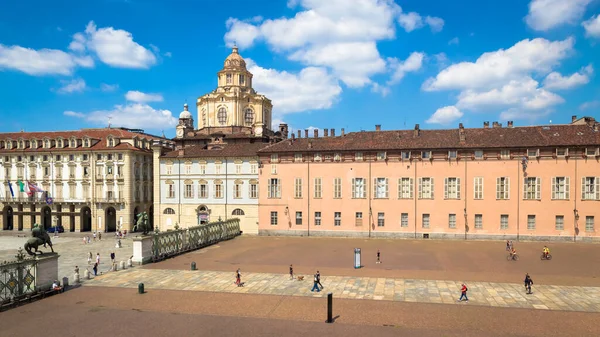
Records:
x=202, y=209
x=249, y=116
x=237, y=211
x=169, y=211
x=222, y=116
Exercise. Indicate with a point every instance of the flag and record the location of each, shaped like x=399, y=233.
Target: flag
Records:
x=48, y=198
x=11, y=190
x=33, y=188
x=21, y=186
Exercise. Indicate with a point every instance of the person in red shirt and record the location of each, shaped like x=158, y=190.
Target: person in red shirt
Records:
x=463, y=294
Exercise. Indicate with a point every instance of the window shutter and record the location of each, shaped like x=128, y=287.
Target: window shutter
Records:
x=387, y=195
x=553, y=188
x=411, y=187
x=597, y=188
x=458, y=188
x=567, y=187
x=538, y=188
x=582, y=188
x=507, y=184
x=278, y=188
x=526, y=182
x=432, y=188
x=399, y=188
x=445, y=188
x=375, y=188
x=420, y=188
x=269, y=189
x=498, y=190
x=353, y=187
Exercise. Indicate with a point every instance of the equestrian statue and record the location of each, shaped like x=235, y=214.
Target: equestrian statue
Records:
x=142, y=223
x=39, y=237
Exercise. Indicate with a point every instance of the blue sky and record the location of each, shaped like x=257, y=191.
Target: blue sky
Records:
x=325, y=64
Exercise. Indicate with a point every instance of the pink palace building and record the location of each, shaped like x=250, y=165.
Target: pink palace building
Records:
x=532, y=183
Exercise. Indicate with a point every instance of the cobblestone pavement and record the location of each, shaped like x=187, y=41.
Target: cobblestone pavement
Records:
x=73, y=252
x=545, y=297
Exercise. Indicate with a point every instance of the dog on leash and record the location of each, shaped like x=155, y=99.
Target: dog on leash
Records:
x=300, y=278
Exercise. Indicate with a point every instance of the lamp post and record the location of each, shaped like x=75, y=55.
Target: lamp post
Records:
x=575, y=225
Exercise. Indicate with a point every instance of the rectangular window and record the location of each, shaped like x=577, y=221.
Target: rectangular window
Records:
x=72, y=190
x=253, y=168
x=426, y=188
x=533, y=152
x=380, y=219
x=562, y=152
x=589, y=223
x=273, y=218
x=425, y=221
x=203, y=169
x=531, y=222
x=237, y=191
x=120, y=156
x=404, y=220
x=274, y=158
x=188, y=193
x=505, y=154
x=317, y=157
x=238, y=168
x=218, y=168
x=85, y=157
x=298, y=218
x=298, y=157
x=478, y=154
x=98, y=157
x=358, y=156
x=590, y=151
x=452, y=221
x=380, y=188
x=337, y=156
x=504, y=221
x=425, y=154
x=559, y=223
x=253, y=191
x=274, y=189
x=560, y=188
x=478, y=188
x=405, y=188
x=318, y=189
x=358, y=219
x=337, y=188
x=171, y=191
x=317, y=218
x=169, y=169
x=405, y=155
x=452, y=154
x=502, y=188
x=590, y=188
x=203, y=191
x=478, y=221
x=359, y=190
x=298, y=188
x=381, y=155
x=218, y=190
x=532, y=188
x=452, y=188
x=337, y=218
x=273, y=168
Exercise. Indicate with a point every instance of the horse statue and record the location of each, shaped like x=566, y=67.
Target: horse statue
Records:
x=142, y=223
x=39, y=237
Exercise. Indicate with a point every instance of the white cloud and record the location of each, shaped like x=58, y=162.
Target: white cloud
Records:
x=41, y=62
x=516, y=114
x=589, y=105
x=410, y=21
x=413, y=63
x=445, y=115
x=108, y=87
x=592, y=26
x=556, y=81
x=454, y=41
x=168, y=54
x=140, y=97
x=313, y=88
x=241, y=33
x=132, y=115
x=547, y=14
x=114, y=47
x=381, y=89
x=436, y=24
x=441, y=60
x=69, y=87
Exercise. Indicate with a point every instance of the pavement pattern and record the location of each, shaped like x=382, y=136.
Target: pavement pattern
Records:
x=508, y=295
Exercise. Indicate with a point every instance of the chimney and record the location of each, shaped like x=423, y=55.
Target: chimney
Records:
x=306, y=133
x=310, y=145
x=343, y=131
x=283, y=128
x=332, y=132
x=316, y=133
x=597, y=127
x=181, y=152
x=510, y=124
x=378, y=127
x=293, y=136
x=497, y=125
x=417, y=130
x=486, y=125
x=299, y=134
x=573, y=118
x=461, y=132
x=325, y=132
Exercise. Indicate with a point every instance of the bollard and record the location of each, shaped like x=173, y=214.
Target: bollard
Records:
x=122, y=265
x=86, y=274
x=140, y=288
x=129, y=263
x=65, y=282
x=115, y=266
x=193, y=265
x=330, y=308
x=76, y=278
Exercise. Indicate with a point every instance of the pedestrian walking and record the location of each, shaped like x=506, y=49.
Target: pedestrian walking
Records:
x=84, y=240
x=378, y=256
x=90, y=258
x=238, y=278
x=99, y=236
x=507, y=245
x=291, y=272
x=112, y=257
x=319, y=279
x=97, y=258
x=88, y=239
x=95, y=269
x=316, y=284
x=528, y=282
x=94, y=236
x=463, y=293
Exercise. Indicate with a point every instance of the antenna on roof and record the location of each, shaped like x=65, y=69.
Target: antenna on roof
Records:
x=163, y=133
x=109, y=119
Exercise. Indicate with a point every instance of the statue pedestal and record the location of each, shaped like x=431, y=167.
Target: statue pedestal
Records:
x=76, y=278
x=47, y=270
x=122, y=264
x=86, y=274
x=142, y=249
x=129, y=263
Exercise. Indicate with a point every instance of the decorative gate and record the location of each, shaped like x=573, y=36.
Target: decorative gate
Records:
x=17, y=277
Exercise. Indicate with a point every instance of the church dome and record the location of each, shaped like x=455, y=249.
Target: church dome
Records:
x=234, y=60
x=185, y=114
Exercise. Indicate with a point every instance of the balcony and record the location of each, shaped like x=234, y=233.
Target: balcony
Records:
x=113, y=200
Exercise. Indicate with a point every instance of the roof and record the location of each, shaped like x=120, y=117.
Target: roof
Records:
x=475, y=138
x=221, y=150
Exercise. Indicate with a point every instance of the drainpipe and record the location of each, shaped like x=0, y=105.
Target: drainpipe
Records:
x=226, y=190
x=575, y=211
x=370, y=210
x=179, y=192
x=416, y=196
x=465, y=194
x=308, y=191
x=518, y=197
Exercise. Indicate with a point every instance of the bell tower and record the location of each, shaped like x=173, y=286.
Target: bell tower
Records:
x=186, y=122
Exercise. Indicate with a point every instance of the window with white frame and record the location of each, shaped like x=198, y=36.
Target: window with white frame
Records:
x=274, y=189
x=202, y=169
x=478, y=154
x=238, y=168
x=237, y=190
x=337, y=188
x=359, y=188
x=218, y=167
x=358, y=219
x=452, y=188
x=404, y=220
x=218, y=189
x=531, y=222
x=532, y=188
x=505, y=154
x=358, y=156
x=589, y=223
x=405, y=188
x=452, y=221
x=169, y=169
x=203, y=190
x=592, y=151
x=170, y=191
x=298, y=188
x=478, y=221
x=452, y=154
x=380, y=219
x=533, y=152
x=425, y=221
x=337, y=218
x=562, y=152
x=274, y=158
x=381, y=188
x=273, y=218
x=478, y=188
x=381, y=155
x=253, y=168
x=273, y=168
x=318, y=157
x=559, y=222
x=317, y=218
x=337, y=156
x=502, y=188
x=426, y=188
x=503, y=221
x=561, y=188
x=188, y=168
x=425, y=154
x=253, y=190
x=188, y=191
x=318, y=188
x=298, y=218
x=590, y=188
x=297, y=157
x=405, y=155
